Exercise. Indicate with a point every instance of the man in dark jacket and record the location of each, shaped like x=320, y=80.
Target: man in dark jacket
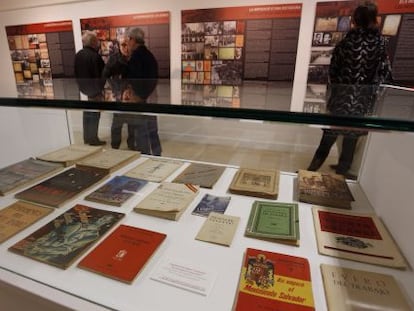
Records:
x=88, y=72
x=142, y=75
x=359, y=64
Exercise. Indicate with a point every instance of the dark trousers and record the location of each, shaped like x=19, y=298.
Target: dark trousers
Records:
x=146, y=135
x=118, y=121
x=90, y=126
x=325, y=145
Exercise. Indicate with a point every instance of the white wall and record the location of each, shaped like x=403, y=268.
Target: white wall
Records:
x=387, y=178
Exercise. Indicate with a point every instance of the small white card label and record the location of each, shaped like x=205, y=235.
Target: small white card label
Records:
x=184, y=275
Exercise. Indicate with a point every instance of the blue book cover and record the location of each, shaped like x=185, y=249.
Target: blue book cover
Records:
x=211, y=203
x=116, y=191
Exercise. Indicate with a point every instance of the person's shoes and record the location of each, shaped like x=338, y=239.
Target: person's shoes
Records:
x=347, y=175
x=334, y=166
x=97, y=142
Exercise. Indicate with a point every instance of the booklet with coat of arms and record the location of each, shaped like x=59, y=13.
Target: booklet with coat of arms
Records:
x=18, y=216
x=211, y=203
x=274, y=221
x=68, y=236
x=274, y=281
x=355, y=236
x=203, y=175
x=109, y=159
x=24, y=173
x=155, y=170
x=124, y=253
x=71, y=154
x=324, y=189
x=168, y=201
x=218, y=229
x=257, y=183
x=59, y=189
x=117, y=191
x=350, y=289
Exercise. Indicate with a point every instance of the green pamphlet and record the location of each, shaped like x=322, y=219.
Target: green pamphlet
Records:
x=274, y=221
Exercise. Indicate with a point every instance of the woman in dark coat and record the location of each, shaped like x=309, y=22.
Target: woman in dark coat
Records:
x=359, y=64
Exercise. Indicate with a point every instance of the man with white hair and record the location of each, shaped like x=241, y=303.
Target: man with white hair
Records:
x=143, y=74
x=88, y=72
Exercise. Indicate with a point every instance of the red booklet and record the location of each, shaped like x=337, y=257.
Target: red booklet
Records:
x=271, y=281
x=124, y=253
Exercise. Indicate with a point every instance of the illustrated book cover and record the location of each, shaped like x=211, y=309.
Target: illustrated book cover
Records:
x=64, y=239
x=168, y=201
x=218, y=229
x=109, y=159
x=155, y=170
x=273, y=281
x=324, y=189
x=124, y=253
x=354, y=236
x=350, y=289
x=18, y=216
x=211, y=203
x=59, y=189
x=274, y=221
x=203, y=175
x=117, y=191
x=25, y=173
x=257, y=183
x=71, y=154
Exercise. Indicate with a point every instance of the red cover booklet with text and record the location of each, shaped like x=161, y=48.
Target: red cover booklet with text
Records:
x=124, y=253
x=273, y=282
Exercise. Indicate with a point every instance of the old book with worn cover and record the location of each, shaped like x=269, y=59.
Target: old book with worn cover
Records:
x=203, y=175
x=117, y=191
x=257, y=183
x=355, y=236
x=110, y=159
x=168, y=201
x=219, y=229
x=59, y=189
x=155, y=170
x=70, y=155
x=211, y=203
x=25, y=173
x=324, y=189
x=349, y=289
x=124, y=253
x=272, y=282
x=274, y=221
x=68, y=236
x=18, y=216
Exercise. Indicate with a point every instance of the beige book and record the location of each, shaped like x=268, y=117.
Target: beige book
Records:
x=203, y=175
x=18, y=216
x=355, y=236
x=350, y=290
x=219, y=229
x=258, y=183
x=155, y=170
x=325, y=189
x=70, y=154
x=109, y=159
x=169, y=200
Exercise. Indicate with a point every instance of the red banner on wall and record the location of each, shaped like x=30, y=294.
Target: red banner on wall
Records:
x=39, y=28
x=247, y=12
x=125, y=20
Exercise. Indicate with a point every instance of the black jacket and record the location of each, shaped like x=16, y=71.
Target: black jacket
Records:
x=359, y=64
x=142, y=71
x=88, y=71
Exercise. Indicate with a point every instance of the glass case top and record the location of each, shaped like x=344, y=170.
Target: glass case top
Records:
x=385, y=107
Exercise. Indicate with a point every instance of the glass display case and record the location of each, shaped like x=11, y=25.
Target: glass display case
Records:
x=249, y=125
